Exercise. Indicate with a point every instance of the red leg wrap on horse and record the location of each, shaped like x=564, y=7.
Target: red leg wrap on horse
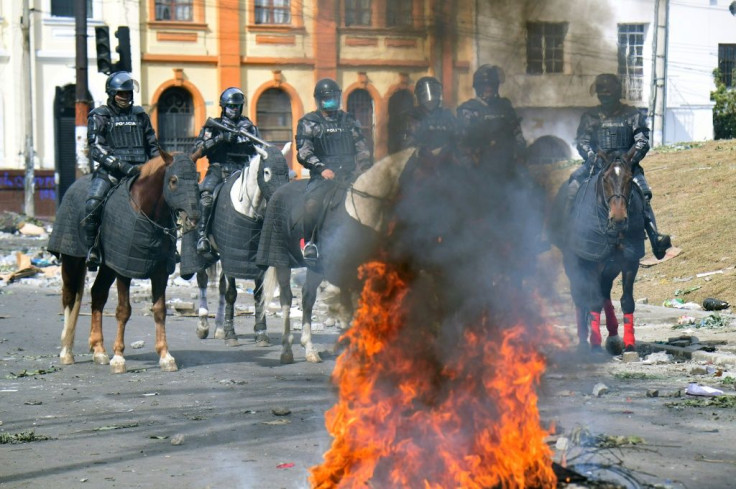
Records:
x=595, y=328
x=611, y=321
x=629, y=330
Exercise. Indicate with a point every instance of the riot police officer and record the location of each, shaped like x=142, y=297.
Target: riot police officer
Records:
x=331, y=145
x=226, y=150
x=490, y=128
x=120, y=139
x=430, y=126
x=616, y=128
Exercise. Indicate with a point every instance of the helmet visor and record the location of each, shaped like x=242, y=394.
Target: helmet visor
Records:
x=329, y=101
x=232, y=111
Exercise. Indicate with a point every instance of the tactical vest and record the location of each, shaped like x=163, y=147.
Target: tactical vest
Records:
x=614, y=135
x=335, y=146
x=235, y=155
x=435, y=129
x=126, y=138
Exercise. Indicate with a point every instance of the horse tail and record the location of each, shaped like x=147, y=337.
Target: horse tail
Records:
x=270, y=283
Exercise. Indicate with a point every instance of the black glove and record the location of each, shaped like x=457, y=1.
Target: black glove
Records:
x=228, y=137
x=111, y=163
x=130, y=170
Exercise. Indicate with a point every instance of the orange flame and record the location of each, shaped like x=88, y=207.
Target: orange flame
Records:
x=411, y=416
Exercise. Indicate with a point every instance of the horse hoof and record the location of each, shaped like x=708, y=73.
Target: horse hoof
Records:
x=67, y=359
x=219, y=334
x=168, y=364
x=202, y=333
x=313, y=357
x=287, y=358
x=614, y=345
x=263, y=340
x=596, y=349
x=117, y=365
x=101, y=359
x=232, y=342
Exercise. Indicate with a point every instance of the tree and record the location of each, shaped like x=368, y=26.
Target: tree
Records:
x=724, y=110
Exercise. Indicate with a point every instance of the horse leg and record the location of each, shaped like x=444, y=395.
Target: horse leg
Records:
x=283, y=276
x=159, y=280
x=630, y=269
x=221, y=302
x=309, y=297
x=260, y=328
x=100, y=292
x=203, y=329
x=73, y=273
x=231, y=295
x=122, y=314
x=614, y=345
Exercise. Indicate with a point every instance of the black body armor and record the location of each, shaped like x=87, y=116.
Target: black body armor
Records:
x=126, y=136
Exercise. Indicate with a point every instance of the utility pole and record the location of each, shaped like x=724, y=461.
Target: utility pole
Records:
x=659, y=71
x=81, y=106
x=25, y=25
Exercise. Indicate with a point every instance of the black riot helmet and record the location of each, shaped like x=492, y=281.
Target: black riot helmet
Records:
x=428, y=92
x=232, y=101
x=327, y=95
x=607, y=87
x=119, y=88
x=486, y=81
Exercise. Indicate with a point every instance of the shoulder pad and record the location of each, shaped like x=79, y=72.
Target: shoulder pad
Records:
x=137, y=110
x=101, y=110
x=313, y=117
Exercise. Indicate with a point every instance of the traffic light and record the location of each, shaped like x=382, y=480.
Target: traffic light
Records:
x=102, y=41
x=123, y=49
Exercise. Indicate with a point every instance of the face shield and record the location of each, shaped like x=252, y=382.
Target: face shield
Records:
x=429, y=95
x=329, y=101
x=232, y=111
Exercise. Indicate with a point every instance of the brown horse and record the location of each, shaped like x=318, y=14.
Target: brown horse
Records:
x=138, y=239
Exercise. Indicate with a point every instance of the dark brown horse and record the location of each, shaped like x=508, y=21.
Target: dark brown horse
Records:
x=138, y=239
x=602, y=237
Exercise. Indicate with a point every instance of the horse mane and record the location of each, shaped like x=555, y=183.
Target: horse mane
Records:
x=154, y=165
x=375, y=187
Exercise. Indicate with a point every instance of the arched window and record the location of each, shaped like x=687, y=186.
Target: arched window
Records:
x=399, y=107
x=273, y=116
x=176, y=120
x=360, y=105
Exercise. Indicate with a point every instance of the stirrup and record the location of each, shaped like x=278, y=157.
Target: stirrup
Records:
x=93, y=259
x=310, y=254
x=203, y=246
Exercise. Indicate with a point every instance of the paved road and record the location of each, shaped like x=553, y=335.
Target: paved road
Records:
x=116, y=430
x=110, y=430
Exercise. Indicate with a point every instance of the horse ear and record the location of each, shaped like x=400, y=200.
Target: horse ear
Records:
x=166, y=156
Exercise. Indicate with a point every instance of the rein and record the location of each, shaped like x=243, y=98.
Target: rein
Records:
x=171, y=232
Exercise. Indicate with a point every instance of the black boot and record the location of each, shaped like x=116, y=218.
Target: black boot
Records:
x=660, y=242
x=93, y=255
x=204, y=246
x=309, y=232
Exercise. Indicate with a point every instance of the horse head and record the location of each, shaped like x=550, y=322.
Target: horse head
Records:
x=616, y=179
x=181, y=190
x=266, y=171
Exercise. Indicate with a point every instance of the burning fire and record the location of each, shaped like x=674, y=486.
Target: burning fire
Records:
x=410, y=415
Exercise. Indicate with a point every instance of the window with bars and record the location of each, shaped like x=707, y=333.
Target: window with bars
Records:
x=358, y=12
x=177, y=10
x=727, y=63
x=631, y=59
x=360, y=105
x=272, y=11
x=545, y=47
x=399, y=13
x=176, y=120
x=65, y=8
x=273, y=116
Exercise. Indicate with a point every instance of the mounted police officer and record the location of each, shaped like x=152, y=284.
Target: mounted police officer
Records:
x=227, y=152
x=616, y=128
x=120, y=139
x=491, y=129
x=430, y=126
x=331, y=145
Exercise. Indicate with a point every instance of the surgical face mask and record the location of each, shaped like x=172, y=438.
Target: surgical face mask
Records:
x=233, y=111
x=331, y=103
